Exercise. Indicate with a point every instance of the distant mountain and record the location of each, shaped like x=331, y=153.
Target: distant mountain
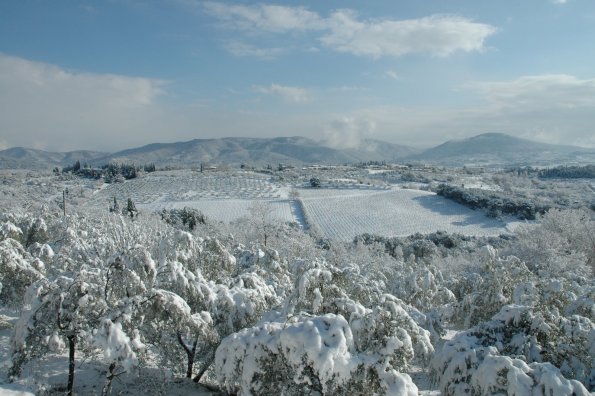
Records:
x=232, y=151
x=486, y=149
x=254, y=151
x=25, y=158
x=503, y=149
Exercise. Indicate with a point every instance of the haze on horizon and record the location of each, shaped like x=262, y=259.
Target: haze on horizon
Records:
x=118, y=74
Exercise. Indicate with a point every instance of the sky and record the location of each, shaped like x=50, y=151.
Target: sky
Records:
x=115, y=74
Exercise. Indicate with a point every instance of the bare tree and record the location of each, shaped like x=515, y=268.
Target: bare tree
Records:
x=261, y=217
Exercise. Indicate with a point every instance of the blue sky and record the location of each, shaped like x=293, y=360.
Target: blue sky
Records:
x=108, y=75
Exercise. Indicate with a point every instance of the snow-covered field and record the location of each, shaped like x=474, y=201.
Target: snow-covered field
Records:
x=190, y=186
x=339, y=210
x=343, y=214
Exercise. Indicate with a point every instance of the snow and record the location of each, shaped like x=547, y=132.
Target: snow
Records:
x=312, y=348
x=342, y=213
x=227, y=210
x=340, y=210
x=317, y=323
x=49, y=373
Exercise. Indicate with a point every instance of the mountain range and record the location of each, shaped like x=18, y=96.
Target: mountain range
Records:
x=485, y=149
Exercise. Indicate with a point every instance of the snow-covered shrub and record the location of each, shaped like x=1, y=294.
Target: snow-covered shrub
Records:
x=18, y=271
x=268, y=265
x=182, y=247
x=313, y=286
x=9, y=230
x=387, y=333
x=464, y=366
x=129, y=273
x=186, y=218
x=116, y=346
x=584, y=304
x=168, y=326
x=516, y=332
x=483, y=293
x=36, y=230
x=192, y=287
x=562, y=243
x=241, y=305
x=382, y=326
x=423, y=288
x=43, y=252
x=305, y=355
x=217, y=263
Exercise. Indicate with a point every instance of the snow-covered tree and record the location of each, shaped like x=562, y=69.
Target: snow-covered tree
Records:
x=519, y=345
x=61, y=308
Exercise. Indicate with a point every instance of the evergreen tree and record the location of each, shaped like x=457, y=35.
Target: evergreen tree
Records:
x=115, y=208
x=131, y=209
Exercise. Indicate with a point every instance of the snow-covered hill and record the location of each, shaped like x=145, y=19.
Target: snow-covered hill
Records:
x=231, y=151
x=503, y=149
x=26, y=158
x=485, y=149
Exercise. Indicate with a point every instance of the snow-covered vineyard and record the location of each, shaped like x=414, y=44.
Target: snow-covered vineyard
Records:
x=269, y=293
x=340, y=211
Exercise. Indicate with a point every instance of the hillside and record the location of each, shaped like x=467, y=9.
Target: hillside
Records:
x=26, y=158
x=503, y=149
x=232, y=151
x=486, y=149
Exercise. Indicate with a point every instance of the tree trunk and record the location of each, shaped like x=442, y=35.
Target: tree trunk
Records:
x=205, y=367
x=189, y=366
x=190, y=353
x=201, y=373
x=71, y=349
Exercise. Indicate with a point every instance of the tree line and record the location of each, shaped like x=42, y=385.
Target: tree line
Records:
x=110, y=172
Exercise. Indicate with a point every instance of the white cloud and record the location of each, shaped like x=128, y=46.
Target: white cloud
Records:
x=392, y=74
x=558, y=109
x=289, y=94
x=262, y=17
x=530, y=93
x=559, y=1
x=45, y=106
x=239, y=48
x=344, y=31
x=438, y=35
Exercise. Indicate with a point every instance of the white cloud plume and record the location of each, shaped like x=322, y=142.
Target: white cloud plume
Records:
x=345, y=31
x=348, y=132
x=287, y=93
